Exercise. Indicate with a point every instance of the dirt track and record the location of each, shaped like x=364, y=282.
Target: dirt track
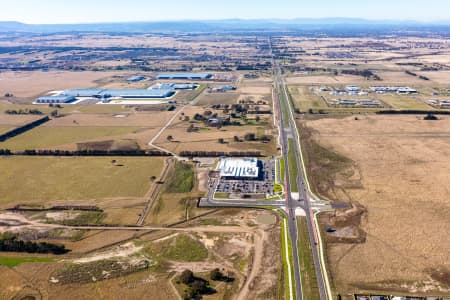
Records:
x=14, y=222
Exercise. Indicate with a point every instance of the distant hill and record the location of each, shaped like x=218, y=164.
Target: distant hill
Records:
x=303, y=24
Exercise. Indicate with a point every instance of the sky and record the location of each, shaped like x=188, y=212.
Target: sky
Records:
x=89, y=11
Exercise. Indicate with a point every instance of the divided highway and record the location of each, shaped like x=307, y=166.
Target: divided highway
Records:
x=288, y=132
x=304, y=196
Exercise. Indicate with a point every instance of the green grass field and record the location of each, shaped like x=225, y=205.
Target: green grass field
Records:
x=306, y=99
x=35, y=180
x=293, y=172
x=181, y=179
x=44, y=137
x=179, y=248
x=282, y=169
x=285, y=263
x=15, y=261
x=405, y=102
x=309, y=279
x=284, y=110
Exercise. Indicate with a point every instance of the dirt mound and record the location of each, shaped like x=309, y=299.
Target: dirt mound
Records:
x=111, y=145
x=97, y=271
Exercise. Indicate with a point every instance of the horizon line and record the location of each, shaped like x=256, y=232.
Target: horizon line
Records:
x=377, y=20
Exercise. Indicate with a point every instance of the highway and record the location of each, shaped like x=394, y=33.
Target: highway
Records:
x=288, y=131
x=291, y=204
x=301, y=183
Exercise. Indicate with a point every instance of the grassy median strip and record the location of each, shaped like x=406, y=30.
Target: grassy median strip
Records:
x=284, y=108
x=309, y=279
x=293, y=171
x=282, y=170
x=15, y=261
x=288, y=280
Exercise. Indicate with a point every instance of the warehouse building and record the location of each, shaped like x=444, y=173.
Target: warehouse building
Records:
x=136, y=78
x=83, y=93
x=239, y=168
x=174, y=86
x=121, y=93
x=402, y=90
x=180, y=76
x=137, y=94
x=55, y=99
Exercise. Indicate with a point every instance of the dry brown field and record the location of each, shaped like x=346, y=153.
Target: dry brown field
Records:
x=323, y=79
x=77, y=128
x=33, y=84
x=16, y=120
x=397, y=178
x=207, y=99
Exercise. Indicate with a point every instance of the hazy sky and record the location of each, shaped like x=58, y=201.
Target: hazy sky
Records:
x=79, y=11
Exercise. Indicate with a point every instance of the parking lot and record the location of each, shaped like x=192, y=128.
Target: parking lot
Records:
x=263, y=185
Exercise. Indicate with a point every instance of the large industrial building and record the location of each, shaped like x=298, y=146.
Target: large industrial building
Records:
x=183, y=76
x=137, y=94
x=239, y=168
x=403, y=90
x=135, y=78
x=174, y=86
x=106, y=95
x=126, y=94
x=55, y=99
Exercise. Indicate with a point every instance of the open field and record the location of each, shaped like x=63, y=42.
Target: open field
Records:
x=306, y=99
x=207, y=99
x=17, y=120
x=394, y=171
x=49, y=137
x=65, y=109
x=65, y=132
x=41, y=180
x=32, y=84
x=5, y=129
x=206, y=138
x=148, y=119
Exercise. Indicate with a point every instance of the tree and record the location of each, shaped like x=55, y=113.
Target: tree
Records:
x=170, y=138
x=199, y=287
x=187, y=277
x=216, y=275
x=250, y=137
x=153, y=178
x=236, y=139
x=430, y=117
x=54, y=113
x=221, y=141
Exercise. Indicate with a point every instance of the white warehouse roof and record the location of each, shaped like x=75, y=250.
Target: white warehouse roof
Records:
x=239, y=167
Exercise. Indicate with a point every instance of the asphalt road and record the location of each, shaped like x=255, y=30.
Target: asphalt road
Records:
x=302, y=187
x=291, y=204
x=286, y=133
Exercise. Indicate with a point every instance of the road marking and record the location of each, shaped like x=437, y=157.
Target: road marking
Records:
x=288, y=259
x=322, y=258
x=329, y=294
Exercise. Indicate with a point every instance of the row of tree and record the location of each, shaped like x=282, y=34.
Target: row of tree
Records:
x=197, y=287
x=220, y=154
x=89, y=153
x=23, y=112
x=10, y=243
x=22, y=129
